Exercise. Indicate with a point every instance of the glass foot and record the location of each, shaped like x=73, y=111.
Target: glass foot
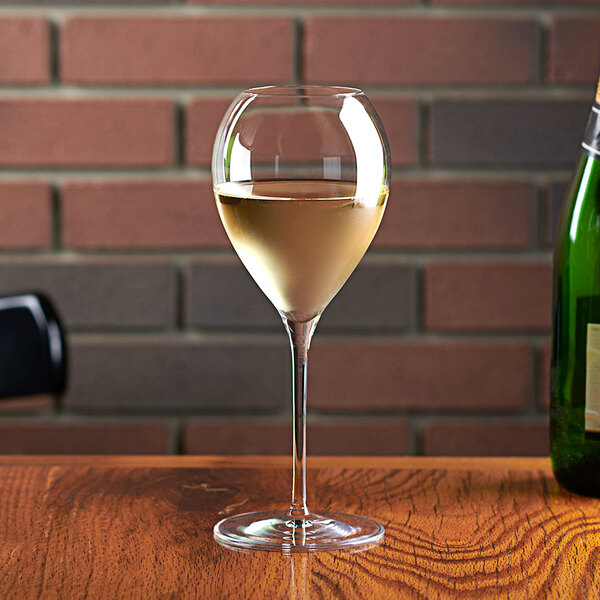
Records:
x=278, y=532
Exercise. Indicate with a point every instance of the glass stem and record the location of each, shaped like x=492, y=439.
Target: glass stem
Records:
x=300, y=334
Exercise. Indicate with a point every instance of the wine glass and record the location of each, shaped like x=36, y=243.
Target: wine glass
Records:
x=301, y=178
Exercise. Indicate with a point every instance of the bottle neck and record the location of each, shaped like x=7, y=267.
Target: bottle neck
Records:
x=591, y=139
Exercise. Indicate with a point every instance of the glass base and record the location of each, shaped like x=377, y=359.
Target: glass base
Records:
x=278, y=532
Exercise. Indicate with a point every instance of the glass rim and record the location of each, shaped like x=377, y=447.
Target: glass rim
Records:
x=303, y=91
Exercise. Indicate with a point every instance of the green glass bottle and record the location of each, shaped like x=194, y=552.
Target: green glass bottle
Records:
x=575, y=371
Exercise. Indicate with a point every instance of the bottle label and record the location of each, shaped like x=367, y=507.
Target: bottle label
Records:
x=591, y=138
x=592, y=379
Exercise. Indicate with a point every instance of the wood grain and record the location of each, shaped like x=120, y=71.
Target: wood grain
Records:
x=143, y=530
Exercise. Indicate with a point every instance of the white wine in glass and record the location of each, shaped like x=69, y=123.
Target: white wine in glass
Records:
x=300, y=240
x=301, y=181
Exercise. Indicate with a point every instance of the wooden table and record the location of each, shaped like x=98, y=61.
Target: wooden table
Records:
x=141, y=527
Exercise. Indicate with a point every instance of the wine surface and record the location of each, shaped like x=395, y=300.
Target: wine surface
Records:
x=300, y=240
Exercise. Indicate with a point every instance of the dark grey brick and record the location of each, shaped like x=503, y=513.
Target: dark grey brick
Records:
x=551, y=211
x=511, y=133
x=376, y=297
x=141, y=375
x=222, y=294
x=101, y=294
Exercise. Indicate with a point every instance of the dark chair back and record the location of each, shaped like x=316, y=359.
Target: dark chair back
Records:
x=33, y=353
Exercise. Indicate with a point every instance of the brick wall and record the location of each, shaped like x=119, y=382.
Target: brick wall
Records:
x=439, y=342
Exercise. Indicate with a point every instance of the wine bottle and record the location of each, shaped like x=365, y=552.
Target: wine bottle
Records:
x=575, y=369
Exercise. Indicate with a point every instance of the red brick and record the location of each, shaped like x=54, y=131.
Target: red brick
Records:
x=426, y=376
x=295, y=136
x=386, y=50
x=24, y=50
x=544, y=357
x=26, y=404
x=84, y=437
x=236, y=437
x=93, y=133
x=25, y=220
x=373, y=437
x=573, y=51
x=144, y=214
x=486, y=437
x=457, y=214
x=177, y=50
x=490, y=296
x=204, y=115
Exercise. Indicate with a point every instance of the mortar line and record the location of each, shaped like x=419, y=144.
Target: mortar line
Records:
x=272, y=336
x=297, y=53
x=540, y=206
x=181, y=283
x=533, y=405
x=542, y=52
x=398, y=256
x=175, y=10
x=423, y=135
x=417, y=436
x=275, y=415
x=54, y=52
x=55, y=218
x=176, y=428
x=192, y=174
x=416, y=91
x=179, y=135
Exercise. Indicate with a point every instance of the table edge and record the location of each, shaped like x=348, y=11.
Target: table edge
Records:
x=261, y=462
